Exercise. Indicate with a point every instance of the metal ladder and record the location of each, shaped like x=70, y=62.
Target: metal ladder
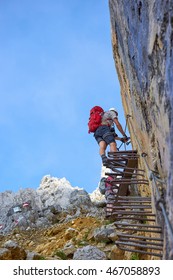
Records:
x=136, y=224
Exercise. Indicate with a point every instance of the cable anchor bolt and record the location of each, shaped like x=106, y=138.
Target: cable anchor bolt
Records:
x=144, y=154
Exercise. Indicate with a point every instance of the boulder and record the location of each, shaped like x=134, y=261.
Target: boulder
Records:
x=17, y=252
x=89, y=253
x=5, y=254
x=104, y=233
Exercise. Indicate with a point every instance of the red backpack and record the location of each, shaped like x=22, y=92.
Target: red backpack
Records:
x=95, y=118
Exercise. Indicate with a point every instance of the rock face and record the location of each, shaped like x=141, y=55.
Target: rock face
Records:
x=54, y=199
x=142, y=40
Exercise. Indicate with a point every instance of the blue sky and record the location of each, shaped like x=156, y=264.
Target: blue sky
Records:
x=56, y=63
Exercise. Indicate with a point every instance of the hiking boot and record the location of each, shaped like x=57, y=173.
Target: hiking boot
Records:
x=105, y=161
x=110, y=198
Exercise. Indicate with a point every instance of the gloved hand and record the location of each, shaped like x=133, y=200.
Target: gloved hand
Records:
x=125, y=139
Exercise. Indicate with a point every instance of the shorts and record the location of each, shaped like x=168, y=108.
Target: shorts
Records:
x=103, y=133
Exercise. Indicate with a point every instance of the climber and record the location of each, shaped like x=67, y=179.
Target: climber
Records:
x=105, y=134
x=110, y=194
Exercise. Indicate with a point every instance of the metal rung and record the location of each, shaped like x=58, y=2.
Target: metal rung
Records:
x=131, y=182
x=142, y=242
x=114, y=199
x=138, y=225
x=128, y=202
x=143, y=228
x=117, y=205
x=118, y=165
x=122, y=180
x=132, y=206
x=132, y=179
x=137, y=245
x=133, y=201
x=124, y=158
x=135, y=197
x=125, y=155
x=140, y=237
x=128, y=205
x=114, y=174
x=125, y=172
x=130, y=218
x=149, y=244
x=132, y=213
x=140, y=251
x=118, y=159
x=121, y=152
x=119, y=173
x=127, y=169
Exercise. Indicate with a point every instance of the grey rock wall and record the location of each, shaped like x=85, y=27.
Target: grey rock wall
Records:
x=142, y=41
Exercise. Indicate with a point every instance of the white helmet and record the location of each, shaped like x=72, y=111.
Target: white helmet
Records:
x=113, y=109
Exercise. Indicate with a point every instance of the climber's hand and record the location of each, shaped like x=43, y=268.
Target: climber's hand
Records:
x=125, y=139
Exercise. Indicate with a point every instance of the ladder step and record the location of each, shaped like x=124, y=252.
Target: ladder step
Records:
x=138, y=227
x=128, y=218
x=140, y=251
x=120, y=173
x=122, y=152
x=133, y=203
x=135, y=197
x=143, y=230
x=121, y=156
x=131, y=182
x=140, y=237
x=131, y=244
x=139, y=201
x=132, y=213
x=142, y=242
x=132, y=207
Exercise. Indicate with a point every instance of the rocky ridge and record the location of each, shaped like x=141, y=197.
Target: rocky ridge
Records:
x=53, y=200
x=56, y=221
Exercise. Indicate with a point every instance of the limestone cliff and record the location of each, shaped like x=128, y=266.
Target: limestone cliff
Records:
x=142, y=40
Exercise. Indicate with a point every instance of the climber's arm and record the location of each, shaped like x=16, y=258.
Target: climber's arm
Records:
x=118, y=125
